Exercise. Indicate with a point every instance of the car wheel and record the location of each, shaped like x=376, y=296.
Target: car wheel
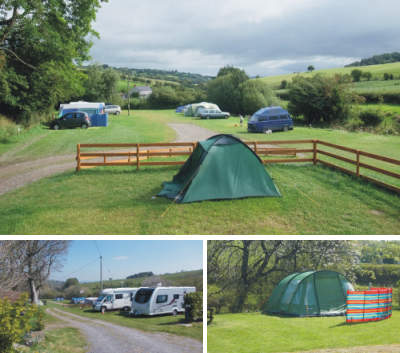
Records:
x=56, y=127
x=84, y=126
x=126, y=308
x=116, y=113
x=175, y=312
x=285, y=128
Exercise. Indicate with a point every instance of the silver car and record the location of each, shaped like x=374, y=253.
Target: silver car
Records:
x=112, y=109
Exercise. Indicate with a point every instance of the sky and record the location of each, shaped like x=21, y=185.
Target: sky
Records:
x=123, y=258
x=263, y=37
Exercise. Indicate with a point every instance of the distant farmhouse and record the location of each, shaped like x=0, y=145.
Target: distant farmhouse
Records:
x=140, y=91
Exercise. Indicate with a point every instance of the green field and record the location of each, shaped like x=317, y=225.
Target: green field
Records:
x=169, y=324
x=376, y=71
x=255, y=333
x=119, y=200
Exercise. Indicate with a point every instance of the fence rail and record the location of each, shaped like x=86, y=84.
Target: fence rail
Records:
x=139, y=155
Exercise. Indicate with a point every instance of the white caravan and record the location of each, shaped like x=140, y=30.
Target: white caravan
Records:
x=159, y=300
x=114, y=299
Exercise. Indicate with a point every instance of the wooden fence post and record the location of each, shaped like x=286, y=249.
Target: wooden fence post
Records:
x=314, y=152
x=255, y=147
x=78, y=157
x=137, y=156
x=358, y=163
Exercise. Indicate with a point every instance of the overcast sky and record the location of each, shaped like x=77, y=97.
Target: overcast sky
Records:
x=264, y=37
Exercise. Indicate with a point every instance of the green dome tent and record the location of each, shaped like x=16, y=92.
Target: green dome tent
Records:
x=221, y=167
x=311, y=293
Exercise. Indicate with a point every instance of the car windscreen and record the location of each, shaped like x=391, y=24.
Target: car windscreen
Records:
x=143, y=295
x=254, y=118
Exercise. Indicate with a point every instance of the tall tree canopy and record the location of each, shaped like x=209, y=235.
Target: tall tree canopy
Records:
x=30, y=262
x=40, y=44
x=241, y=267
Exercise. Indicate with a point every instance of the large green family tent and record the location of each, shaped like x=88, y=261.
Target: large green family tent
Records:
x=193, y=109
x=311, y=293
x=221, y=167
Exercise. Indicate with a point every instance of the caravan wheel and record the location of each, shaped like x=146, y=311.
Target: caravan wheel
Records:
x=175, y=312
x=126, y=308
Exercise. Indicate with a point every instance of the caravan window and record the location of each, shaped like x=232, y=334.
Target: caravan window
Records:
x=119, y=296
x=161, y=299
x=176, y=296
x=143, y=295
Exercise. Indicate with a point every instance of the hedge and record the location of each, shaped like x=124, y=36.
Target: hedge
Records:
x=378, y=274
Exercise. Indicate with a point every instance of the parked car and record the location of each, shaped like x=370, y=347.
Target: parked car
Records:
x=270, y=118
x=71, y=120
x=112, y=109
x=213, y=114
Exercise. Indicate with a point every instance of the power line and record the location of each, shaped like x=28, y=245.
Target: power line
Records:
x=95, y=260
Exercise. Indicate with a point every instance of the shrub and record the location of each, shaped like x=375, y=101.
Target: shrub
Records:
x=320, y=99
x=15, y=322
x=378, y=274
x=284, y=84
x=194, y=306
x=371, y=117
x=356, y=74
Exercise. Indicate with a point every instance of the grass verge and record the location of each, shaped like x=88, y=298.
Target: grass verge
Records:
x=168, y=324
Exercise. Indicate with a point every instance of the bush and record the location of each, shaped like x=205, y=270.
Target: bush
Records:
x=379, y=275
x=194, y=306
x=371, y=117
x=320, y=99
x=15, y=322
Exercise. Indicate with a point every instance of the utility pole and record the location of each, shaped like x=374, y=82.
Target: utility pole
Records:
x=101, y=273
x=129, y=99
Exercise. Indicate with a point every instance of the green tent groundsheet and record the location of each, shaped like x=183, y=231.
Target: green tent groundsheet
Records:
x=311, y=293
x=221, y=167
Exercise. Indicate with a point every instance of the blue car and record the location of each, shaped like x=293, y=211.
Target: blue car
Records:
x=270, y=118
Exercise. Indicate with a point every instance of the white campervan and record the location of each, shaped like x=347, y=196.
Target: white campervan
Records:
x=114, y=299
x=159, y=300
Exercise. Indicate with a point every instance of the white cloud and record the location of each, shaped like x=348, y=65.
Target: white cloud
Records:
x=120, y=258
x=261, y=36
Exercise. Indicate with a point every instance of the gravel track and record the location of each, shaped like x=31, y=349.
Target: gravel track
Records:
x=105, y=337
x=14, y=176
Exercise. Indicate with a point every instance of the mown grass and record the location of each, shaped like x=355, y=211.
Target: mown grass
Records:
x=121, y=129
x=168, y=323
x=255, y=332
x=315, y=200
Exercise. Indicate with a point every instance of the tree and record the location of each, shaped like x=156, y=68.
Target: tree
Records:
x=320, y=99
x=242, y=265
x=34, y=260
x=367, y=75
x=225, y=91
x=71, y=282
x=40, y=44
x=356, y=74
x=256, y=94
x=10, y=266
x=310, y=68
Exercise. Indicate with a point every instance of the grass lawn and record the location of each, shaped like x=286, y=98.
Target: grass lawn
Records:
x=255, y=332
x=41, y=141
x=316, y=200
x=58, y=339
x=119, y=200
x=169, y=324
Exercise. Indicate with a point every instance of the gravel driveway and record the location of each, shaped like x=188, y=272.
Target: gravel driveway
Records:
x=104, y=337
x=13, y=176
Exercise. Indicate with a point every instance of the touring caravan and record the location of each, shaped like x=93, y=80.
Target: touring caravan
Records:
x=114, y=299
x=159, y=300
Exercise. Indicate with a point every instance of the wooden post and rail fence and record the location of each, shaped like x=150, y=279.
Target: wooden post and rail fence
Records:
x=139, y=154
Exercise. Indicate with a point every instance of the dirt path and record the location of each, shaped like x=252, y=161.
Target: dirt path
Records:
x=13, y=176
x=104, y=337
x=391, y=348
